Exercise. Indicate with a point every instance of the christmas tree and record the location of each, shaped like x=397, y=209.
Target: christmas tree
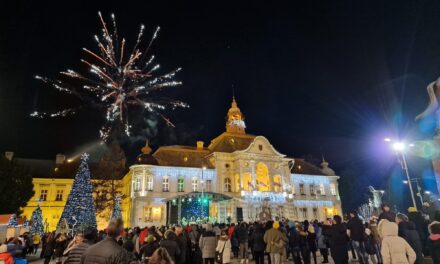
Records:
x=12, y=221
x=79, y=212
x=117, y=214
x=37, y=222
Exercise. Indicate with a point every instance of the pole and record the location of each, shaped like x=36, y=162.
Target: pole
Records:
x=419, y=189
x=405, y=168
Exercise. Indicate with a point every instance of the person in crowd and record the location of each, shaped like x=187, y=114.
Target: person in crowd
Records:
x=387, y=213
x=377, y=240
x=369, y=243
x=294, y=243
x=60, y=246
x=258, y=245
x=182, y=242
x=150, y=245
x=142, y=236
x=241, y=232
x=217, y=230
x=407, y=230
x=311, y=240
x=394, y=248
x=357, y=234
x=434, y=241
x=275, y=243
x=234, y=240
x=49, y=247
x=107, y=251
x=170, y=244
x=75, y=253
x=420, y=224
x=130, y=250
x=322, y=242
x=338, y=240
x=5, y=256
x=36, y=240
x=73, y=243
x=208, y=244
x=223, y=248
x=304, y=244
x=161, y=256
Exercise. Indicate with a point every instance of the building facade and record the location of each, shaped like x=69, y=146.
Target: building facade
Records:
x=238, y=177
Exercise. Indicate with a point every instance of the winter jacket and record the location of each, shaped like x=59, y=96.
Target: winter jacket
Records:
x=225, y=245
x=60, y=246
x=407, y=231
x=148, y=249
x=172, y=248
x=208, y=244
x=294, y=240
x=390, y=216
x=321, y=238
x=7, y=258
x=420, y=225
x=257, y=240
x=272, y=237
x=76, y=253
x=107, y=251
x=337, y=235
x=395, y=250
x=434, y=248
x=242, y=233
x=48, y=248
x=357, y=229
x=182, y=242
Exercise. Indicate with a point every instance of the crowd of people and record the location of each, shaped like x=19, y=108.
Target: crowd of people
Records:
x=388, y=238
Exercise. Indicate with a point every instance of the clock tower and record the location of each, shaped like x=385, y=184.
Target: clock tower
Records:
x=235, y=119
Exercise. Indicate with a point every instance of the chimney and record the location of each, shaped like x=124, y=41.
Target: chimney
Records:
x=9, y=155
x=60, y=159
x=200, y=144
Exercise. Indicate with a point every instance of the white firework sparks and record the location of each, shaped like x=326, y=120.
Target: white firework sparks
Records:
x=117, y=81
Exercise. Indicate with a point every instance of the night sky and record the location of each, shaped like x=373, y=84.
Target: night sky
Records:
x=325, y=78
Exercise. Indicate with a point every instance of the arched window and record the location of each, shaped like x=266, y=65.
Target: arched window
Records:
x=195, y=184
x=247, y=182
x=228, y=185
x=180, y=184
x=262, y=177
x=277, y=183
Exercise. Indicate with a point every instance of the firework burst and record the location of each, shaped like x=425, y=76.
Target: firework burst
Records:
x=118, y=80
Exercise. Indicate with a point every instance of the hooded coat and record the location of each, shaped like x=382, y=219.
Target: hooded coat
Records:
x=224, y=245
x=407, y=231
x=395, y=250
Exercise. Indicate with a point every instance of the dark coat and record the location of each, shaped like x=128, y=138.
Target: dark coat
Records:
x=338, y=242
x=182, y=242
x=407, y=230
x=242, y=233
x=76, y=253
x=294, y=239
x=172, y=248
x=60, y=246
x=257, y=240
x=357, y=229
x=108, y=251
x=311, y=241
x=148, y=249
x=434, y=249
x=420, y=224
x=390, y=216
x=48, y=248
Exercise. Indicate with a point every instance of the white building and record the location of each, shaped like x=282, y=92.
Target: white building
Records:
x=237, y=177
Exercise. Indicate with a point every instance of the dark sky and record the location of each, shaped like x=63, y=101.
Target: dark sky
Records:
x=329, y=77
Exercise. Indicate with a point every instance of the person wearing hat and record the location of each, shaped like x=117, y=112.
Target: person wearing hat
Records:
x=357, y=234
x=5, y=255
x=275, y=243
x=421, y=226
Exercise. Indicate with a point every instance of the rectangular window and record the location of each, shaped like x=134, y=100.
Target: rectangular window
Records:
x=295, y=213
x=195, y=184
x=43, y=194
x=321, y=189
x=208, y=185
x=315, y=213
x=304, y=213
x=333, y=189
x=59, y=196
x=301, y=189
x=312, y=189
x=166, y=184
x=180, y=185
x=152, y=213
x=150, y=183
x=137, y=184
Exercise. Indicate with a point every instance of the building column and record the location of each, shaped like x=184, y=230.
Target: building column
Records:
x=179, y=210
x=254, y=178
x=240, y=176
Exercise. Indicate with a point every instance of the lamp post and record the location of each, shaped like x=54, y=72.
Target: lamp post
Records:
x=400, y=147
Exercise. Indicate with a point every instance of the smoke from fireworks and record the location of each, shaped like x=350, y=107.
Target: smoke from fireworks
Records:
x=117, y=81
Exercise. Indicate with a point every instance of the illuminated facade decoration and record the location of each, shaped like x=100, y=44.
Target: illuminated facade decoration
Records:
x=236, y=177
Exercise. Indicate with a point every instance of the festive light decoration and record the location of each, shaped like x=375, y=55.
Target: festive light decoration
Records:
x=79, y=211
x=37, y=222
x=117, y=213
x=118, y=80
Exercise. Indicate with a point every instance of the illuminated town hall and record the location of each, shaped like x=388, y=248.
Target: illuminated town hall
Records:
x=237, y=177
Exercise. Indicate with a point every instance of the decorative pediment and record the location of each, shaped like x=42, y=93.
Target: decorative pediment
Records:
x=260, y=145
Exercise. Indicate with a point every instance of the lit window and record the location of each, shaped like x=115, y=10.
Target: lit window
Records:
x=228, y=185
x=59, y=196
x=153, y=213
x=304, y=213
x=208, y=185
x=333, y=189
x=180, y=185
x=315, y=213
x=277, y=183
x=43, y=194
x=137, y=184
x=166, y=183
x=149, y=183
x=312, y=189
x=295, y=212
x=195, y=184
x=322, y=189
x=301, y=189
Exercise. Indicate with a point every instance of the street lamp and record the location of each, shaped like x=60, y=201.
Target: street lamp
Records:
x=400, y=148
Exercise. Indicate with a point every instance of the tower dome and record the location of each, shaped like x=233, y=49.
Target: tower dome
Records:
x=235, y=119
x=326, y=169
